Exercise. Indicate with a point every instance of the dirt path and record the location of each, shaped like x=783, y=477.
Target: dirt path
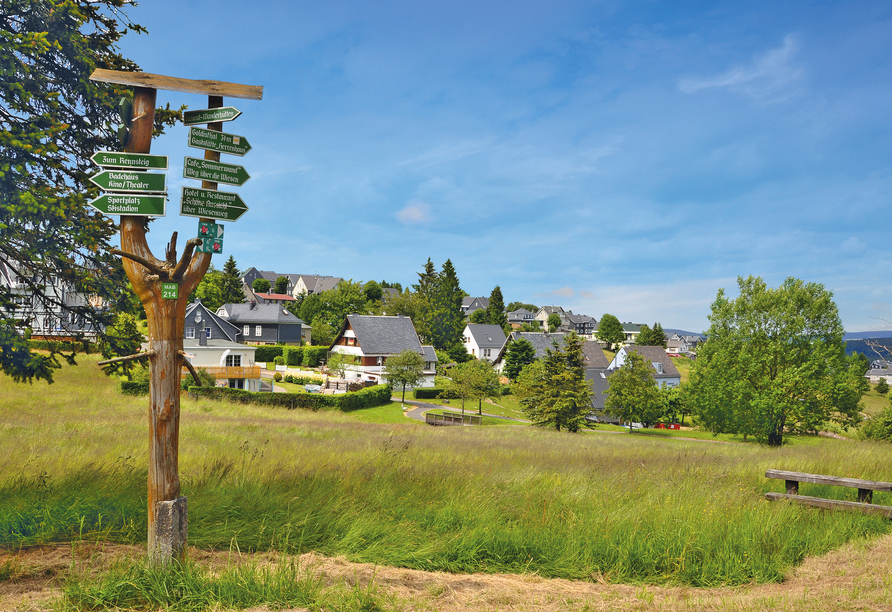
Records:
x=855, y=577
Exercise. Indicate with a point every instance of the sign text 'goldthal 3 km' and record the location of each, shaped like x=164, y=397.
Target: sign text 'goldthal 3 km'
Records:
x=206, y=170
x=211, y=204
x=209, y=140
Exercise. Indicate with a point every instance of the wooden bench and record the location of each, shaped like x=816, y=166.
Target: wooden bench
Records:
x=865, y=491
x=453, y=418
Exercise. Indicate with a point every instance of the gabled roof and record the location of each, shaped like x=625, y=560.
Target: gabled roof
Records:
x=380, y=335
x=654, y=354
x=579, y=318
x=593, y=355
x=632, y=327
x=476, y=302
x=318, y=284
x=258, y=313
x=429, y=354
x=520, y=314
x=487, y=336
x=599, y=382
x=225, y=326
x=541, y=341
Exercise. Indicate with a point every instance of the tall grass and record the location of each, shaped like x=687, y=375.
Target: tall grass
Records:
x=507, y=499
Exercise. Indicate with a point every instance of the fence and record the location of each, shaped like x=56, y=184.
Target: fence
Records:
x=453, y=418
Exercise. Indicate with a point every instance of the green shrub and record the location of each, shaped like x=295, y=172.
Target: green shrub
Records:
x=129, y=387
x=289, y=378
x=506, y=390
x=368, y=397
x=207, y=379
x=277, y=377
x=280, y=360
x=267, y=353
x=64, y=346
x=313, y=355
x=449, y=393
x=430, y=393
x=293, y=355
x=879, y=427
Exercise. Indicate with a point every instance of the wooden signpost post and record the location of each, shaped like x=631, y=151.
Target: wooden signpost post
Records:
x=163, y=287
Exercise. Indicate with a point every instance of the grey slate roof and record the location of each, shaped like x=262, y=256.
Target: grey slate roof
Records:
x=260, y=313
x=225, y=326
x=541, y=341
x=382, y=335
x=429, y=354
x=318, y=284
x=656, y=354
x=487, y=336
x=594, y=356
x=598, y=378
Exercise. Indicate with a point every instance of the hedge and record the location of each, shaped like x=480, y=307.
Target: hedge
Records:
x=129, y=387
x=314, y=354
x=268, y=352
x=66, y=346
x=368, y=397
x=429, y=393
x=293, y=355
x=303, y=380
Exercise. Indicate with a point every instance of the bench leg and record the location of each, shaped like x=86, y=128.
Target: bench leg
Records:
x=865, y=496
x=792, y=487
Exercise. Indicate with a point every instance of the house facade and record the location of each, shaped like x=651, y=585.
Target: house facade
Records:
x=521, y=316
x=483, y=341
x=265, y=323
x=211, y=343
x=665, y=373
x=370, y=340
x=470, y=304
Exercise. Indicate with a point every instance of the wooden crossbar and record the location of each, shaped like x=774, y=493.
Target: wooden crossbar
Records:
x=819, y=502
x=854, y=483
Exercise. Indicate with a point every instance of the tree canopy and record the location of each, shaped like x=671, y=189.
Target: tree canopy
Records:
x=632, y=394
x=553, y=391
x=52, y=119
x=405, y=369
x=519, y=354
x=652, y=336
x=610, y=330
x=495, y=310
x=474, y=379
x=774, y=363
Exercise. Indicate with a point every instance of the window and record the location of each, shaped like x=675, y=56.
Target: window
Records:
x=207, y=332
x=486, y=352
x=190, y=332
x=233, y=361
x=258, y=331
x=247, y=330
x=380, y=361
x=236, y=383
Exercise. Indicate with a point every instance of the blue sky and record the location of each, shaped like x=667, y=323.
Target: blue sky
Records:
x=629, y=158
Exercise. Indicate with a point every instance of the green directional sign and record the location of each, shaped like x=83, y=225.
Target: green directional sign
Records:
x=130, y=182
x=211, y=115
x=131, y=204
x=206, y=170
x=211, y=204
x=210, y=140
x=142, y=161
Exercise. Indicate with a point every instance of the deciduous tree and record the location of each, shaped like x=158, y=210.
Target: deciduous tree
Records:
x=774, y=363
x=281, y=285
x=406, y=369
x=632, y=394
x=261, y=285
x=610, y=330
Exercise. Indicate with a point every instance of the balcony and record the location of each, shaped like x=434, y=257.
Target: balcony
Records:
x=227, y=373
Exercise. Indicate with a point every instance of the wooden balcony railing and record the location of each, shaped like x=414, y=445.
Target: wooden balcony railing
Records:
x=231, y=372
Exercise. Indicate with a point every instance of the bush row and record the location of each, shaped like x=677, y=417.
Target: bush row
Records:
x=368, y=397
x=302, y=380
x=63, y=346
x=447, y=393
x=292, y=356
x=135, y=387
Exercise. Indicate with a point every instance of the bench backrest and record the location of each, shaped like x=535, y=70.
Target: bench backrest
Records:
x=854, y=483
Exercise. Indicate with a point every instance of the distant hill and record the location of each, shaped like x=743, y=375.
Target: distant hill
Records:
x=869, y=334
x=681, y=332
x=860, y=346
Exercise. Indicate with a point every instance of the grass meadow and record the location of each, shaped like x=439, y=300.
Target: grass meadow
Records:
x=376, y=487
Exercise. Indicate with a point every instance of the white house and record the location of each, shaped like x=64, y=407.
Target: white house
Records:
x=209, y=343
x=665, y=372
x=483, y=341
x=372, y=339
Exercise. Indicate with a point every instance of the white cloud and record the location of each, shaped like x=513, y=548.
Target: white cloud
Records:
x=564, y=292
x=768, y=77
x=414, y=214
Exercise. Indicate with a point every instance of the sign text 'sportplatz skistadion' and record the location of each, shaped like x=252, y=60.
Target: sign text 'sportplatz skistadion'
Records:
x=125, y=204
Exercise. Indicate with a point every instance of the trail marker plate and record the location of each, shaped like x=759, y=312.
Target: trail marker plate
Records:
x=207, y=170
x=131, y=204
x=126, y=181
x=210, y=140
x=210, y=204
x=141, y=161
x=170, y=291
x=211, y=115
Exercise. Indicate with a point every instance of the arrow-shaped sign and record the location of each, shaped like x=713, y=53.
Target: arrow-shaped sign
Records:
x=130, y=182
x=211, y=204
x=141, y=161
x=211, y=115
x=210, y=140
x=126, y=204
x=209, y=229
x=206, y=170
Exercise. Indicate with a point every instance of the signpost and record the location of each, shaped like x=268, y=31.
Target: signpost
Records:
x=142, y=161
x=211, y=204
x=211, y=115
x=130, y=182
x=131, y=204
x=210, y=140
x=206, y=170
x=163, y=287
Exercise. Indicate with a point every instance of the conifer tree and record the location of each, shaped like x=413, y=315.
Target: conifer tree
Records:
x=231, y=291
x=447, y=318
x=495, y=311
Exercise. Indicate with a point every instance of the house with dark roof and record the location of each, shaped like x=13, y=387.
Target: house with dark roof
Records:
x=599, y=380
x=583, y=325
x=210, y=342
x=520, y=317
x=470, y=304
x=307, y=284
x=631, y=331
x=483, y=341
x=370, y=340
x=273, y=298
x=265, y=323
x=297, y=283
x=665, y=372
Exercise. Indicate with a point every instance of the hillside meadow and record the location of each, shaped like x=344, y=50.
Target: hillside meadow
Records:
x=374, y=487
